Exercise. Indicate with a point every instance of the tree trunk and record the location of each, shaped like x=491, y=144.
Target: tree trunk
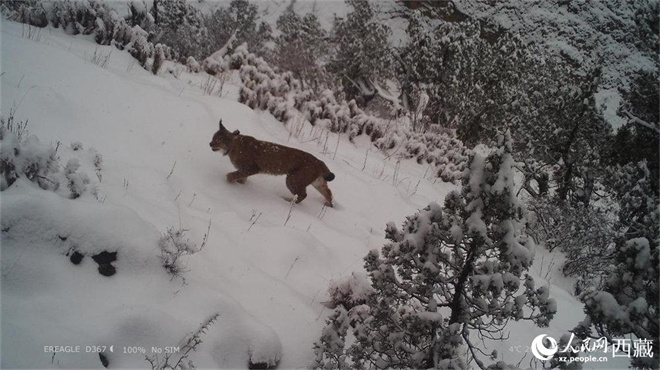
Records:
x=156, y=11
x=564, y=185
x=456, y=303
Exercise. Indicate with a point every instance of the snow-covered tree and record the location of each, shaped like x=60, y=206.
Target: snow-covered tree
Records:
x=639, y=138
x=139, y=15
x=577, y=145
x=480, y=79
x=362, y=58
x=448, y=274
x=627, y=303
x=418, y=61
x=240, y=20
x=585, y=29
x=180, y=26
x=301, y=46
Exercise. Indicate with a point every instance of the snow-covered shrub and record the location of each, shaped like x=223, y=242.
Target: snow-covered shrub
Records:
x=350, y=291
x=263, y=88
x=468, y=259
x=159, y=58
x=173, y=246
x=84, y=17
x=181, y=359
x=31, y=12
x=77, y=182
x=388, y=142
x=92, y=17
x=139, y=47
x=25, y=156
x=216, y=63
x=98, y=162
x=281, y=94
x=22, y=156
x=193, y=65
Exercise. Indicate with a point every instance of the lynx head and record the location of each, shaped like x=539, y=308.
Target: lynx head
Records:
x=222, y=139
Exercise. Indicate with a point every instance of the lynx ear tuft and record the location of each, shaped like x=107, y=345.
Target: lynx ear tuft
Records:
x=220, y=125
x=236, y=132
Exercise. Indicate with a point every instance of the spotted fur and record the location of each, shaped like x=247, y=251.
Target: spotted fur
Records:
x=251, y=156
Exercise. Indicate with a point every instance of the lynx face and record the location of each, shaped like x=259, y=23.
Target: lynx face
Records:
x=222, y=140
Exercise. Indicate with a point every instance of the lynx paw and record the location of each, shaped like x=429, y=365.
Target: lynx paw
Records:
x=235, y=177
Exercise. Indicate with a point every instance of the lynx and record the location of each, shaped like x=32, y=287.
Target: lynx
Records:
x=251, y=156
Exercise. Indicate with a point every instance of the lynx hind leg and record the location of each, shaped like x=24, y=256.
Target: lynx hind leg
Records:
x=295, y=187
x=322, y=187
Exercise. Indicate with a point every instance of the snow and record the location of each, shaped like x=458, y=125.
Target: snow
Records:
x=505, y=177
x=429, y=316
x=609, y=307
x=351, y=290
x=215, y=62
x=265, y=279
x=642, y=253
x=267, y=283
x=609, y=100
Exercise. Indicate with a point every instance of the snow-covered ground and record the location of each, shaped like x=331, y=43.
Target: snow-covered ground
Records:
x=265, y=267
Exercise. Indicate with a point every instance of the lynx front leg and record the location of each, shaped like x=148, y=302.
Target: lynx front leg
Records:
x=235, y=177
x=240, y=176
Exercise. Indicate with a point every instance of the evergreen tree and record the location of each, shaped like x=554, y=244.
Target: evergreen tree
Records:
x=480, y=79
x=418, y=61
x=639, y=139
x=239, y=19
x=627, y=303
x=301, y=46
x=180, y=26
x=362, y=55
x=469, y=257
x=138, y=15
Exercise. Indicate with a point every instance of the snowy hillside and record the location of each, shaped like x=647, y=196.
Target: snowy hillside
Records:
x=265, y=266
x=265, y=279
